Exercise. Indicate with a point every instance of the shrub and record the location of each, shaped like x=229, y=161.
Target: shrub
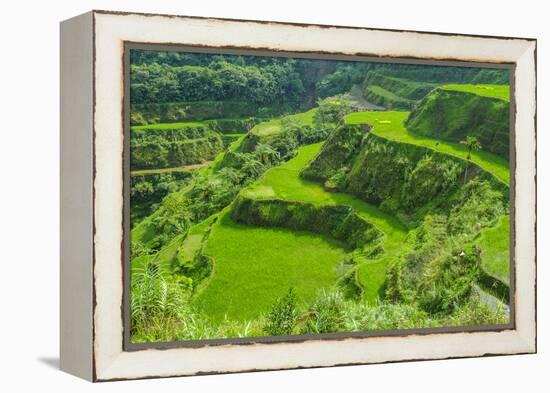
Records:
x=158, y=303
x=325, y=315
x=281, y=320
x=331, y=110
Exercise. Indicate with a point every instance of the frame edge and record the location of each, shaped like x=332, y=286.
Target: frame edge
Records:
x=76, y=196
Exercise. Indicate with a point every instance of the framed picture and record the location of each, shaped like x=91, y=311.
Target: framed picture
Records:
x=246, y=195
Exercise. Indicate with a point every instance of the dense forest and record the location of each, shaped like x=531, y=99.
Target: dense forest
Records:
x=277, y=196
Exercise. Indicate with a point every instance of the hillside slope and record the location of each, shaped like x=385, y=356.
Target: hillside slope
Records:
x=453, y=114
x=447, y=202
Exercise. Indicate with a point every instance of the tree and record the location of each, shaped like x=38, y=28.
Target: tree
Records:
x=331, y=110
x=253, y=167
x=471, y=144
x=266, y=154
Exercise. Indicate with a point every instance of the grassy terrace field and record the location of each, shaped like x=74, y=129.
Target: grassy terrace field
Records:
x=274, y=269
x=273, y=126
x=495, y=242
x=391, y=125
x=284, y=182
x=502, y=92
x=253, y=266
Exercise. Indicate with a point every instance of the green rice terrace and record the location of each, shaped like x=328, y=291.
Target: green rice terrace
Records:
x=318, y=215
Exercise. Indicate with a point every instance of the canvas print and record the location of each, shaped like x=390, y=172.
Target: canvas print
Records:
x=280, y=196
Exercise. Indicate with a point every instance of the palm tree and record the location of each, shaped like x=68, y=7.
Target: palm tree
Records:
x=471, y=144
x=253, y=167
x=266, y=154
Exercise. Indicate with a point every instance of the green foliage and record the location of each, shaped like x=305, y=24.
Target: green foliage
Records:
x=147, y=191
x=430, y=177
x=158, y=302
x=443, y=265
x=219, y=80
x=402, y=88
x=471, y=144
x=151, y=113
x=453, y=115
x=281, y=319
x=488, y=76
x=207, y=193
x=342, y=79
x=162, y=148
x=325, y=315
x=394, y=93
x=338, y=180
x=477, y=205
x=284, y=182
x=331, y=110
x=381, y=171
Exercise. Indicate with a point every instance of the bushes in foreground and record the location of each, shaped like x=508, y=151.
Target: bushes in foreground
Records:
x=161, y=312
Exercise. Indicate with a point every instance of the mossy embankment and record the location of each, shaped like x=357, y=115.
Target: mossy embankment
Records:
x=337, y=221
x=455, y=111
x=391, y=125
x=402, y=178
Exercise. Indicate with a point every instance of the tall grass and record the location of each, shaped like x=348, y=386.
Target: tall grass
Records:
x=161, y=312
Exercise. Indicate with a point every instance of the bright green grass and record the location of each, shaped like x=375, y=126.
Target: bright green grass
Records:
x=169, y=126
x=273, y=126
x=502, y=92
x=285, y=182
x=253, y=267
x=390, y=125
x=495, y=248
x=192, y=243
x=167, y=253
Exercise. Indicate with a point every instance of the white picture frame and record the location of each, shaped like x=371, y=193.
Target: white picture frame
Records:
x=92, y=195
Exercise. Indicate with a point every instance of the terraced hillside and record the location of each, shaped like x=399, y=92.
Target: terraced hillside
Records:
x=281, y=200
x=259, y=209
x=395, y=89
x=456, y=111
x=394, y=93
